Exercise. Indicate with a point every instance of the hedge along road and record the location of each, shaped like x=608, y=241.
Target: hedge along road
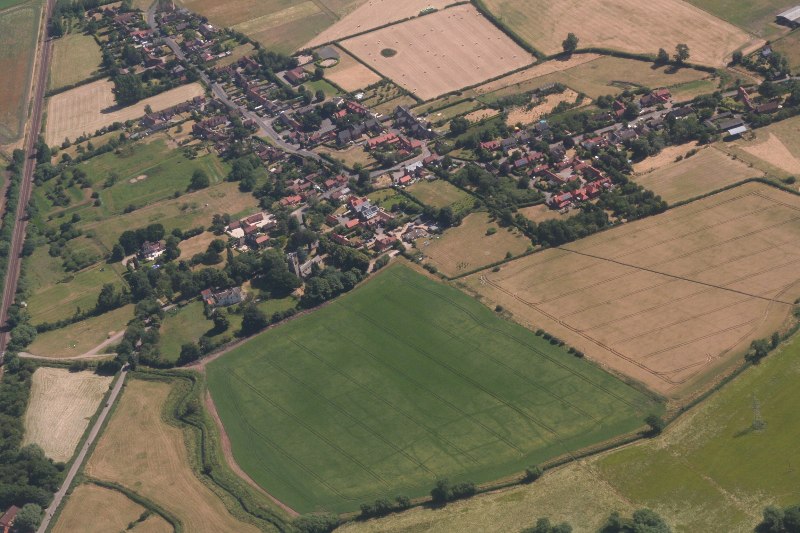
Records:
x=403, y=381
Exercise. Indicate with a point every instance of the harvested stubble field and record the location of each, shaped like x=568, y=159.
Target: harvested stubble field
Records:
x=525, y=115
x=373, y=14
x=349, y=74
x=708, y=472
x=468, y=246
x=83, y=337
x=600, y=76
x=708, y=170
x=88, y=108
x=94, y=509
x=75, y=57
x=61, y=404
x=349, y=404
x=627, y=25
x=143, y=453
x=441, y=52
x=672, y=300
x=18, y=36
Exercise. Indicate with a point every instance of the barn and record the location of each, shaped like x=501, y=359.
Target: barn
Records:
x=790, y=17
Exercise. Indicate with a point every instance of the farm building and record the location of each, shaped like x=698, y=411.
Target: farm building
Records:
x=790, y=17
x=7, y=520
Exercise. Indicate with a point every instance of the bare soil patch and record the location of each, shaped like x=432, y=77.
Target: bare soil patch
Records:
x=373, y=14
x=61, y=404
x=86, y=109
x=442, y=52
x=351, y=75
x=628, y=25
x=670, y=301
x=774, y=151
x=708, y=170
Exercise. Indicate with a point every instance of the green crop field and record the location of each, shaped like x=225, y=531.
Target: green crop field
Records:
x=708, y=472
x=399, y=383
x=755, y=17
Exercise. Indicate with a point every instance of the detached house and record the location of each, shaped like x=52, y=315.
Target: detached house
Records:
x=151, y=251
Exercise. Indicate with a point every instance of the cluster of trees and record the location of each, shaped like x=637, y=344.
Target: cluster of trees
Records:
x=543, y=525
x=773, y=66
x=26, y=475
x=383, y=507
x=642, y=521
x=780, y=520
x=760, y=348
x=445, y=492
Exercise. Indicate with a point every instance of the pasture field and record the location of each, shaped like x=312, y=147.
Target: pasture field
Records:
x=372, y=14
x=707, y=472
x=349, y=74
x=75, y=57
x=86, y=109
x=597, y=77
x=19, y=28
x=280, y=25
x=626, y=25
x=671, y=301
x=188, y=211
x=708, y=170
x=61, y=404
x=440, y=193
x=774, y=149
x=541, y=213
x=349, y=156
x=441, y=52
x=53, y=302
x=143, y=453
x=470, y=246
x=754, y=17
x=94, y=509
x=82, y=338
x=790, y=47
x=402, y=381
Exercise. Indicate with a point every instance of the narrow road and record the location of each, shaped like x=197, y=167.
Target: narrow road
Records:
x=20, y=225
x=76, y=466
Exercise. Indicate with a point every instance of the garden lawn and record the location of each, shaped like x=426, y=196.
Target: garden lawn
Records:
x=401, y=382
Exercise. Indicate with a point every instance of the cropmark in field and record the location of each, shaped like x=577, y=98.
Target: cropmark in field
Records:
x=441, y=52
x=402, y=382
x=672, y=300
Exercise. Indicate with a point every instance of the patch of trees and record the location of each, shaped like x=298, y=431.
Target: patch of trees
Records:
x=26, y=475
x=780, y=520
x=132, y=240
x=329, y=284
x=445, y=492
x=557, y=232
x=631, y=201
x=543, y=525
x=344, y=257
x=383, y=507
x=642, y=521
x=760, y=348
x=318, y=523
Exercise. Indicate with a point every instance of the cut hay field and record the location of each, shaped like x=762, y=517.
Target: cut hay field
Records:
x=440, y=193
x=626, y=25
x=373, y=14
x=143, y=453
x=441, y=52
x=82, y=337
x=774, y=149
x=94, y=509
x=19, y=28
x=87, y=108
x=401, y=382
x=708, y=170
x=61, y=404
x=75, y=57
x=672, y=300
x=469, y=246
x=707, y=472
x=349, y=74
x=597, y=77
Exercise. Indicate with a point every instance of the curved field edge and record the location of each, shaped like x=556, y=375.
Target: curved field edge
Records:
x=292, y=471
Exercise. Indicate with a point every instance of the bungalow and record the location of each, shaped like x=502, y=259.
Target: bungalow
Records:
x=291, y=200
x=405, y=180
x=769, y=107
x=296, y=76
x=151, y=251
x=659, y=96
x=412, y=234
x=384, y=243
x=560, y=201
x=353, y=223
x=490, y=145
x=340, y=239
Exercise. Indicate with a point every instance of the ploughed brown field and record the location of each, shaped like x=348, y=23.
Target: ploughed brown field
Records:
x=439, y=53
x=672, y=300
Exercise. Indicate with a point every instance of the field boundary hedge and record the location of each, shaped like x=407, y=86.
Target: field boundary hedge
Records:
x=147, y=503
x=500, y=25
